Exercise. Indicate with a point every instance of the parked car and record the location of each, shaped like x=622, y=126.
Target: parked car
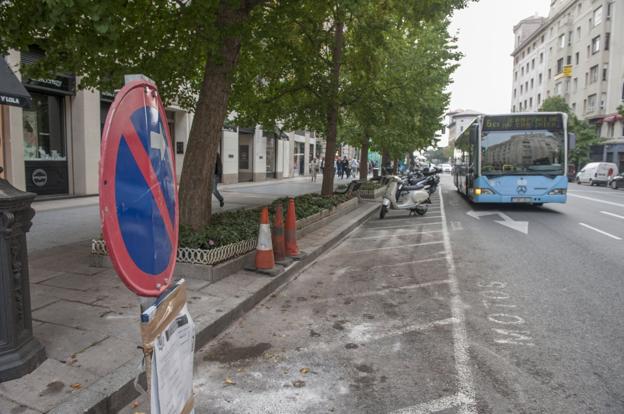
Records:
x=597, y=173
x=446, y=168
x=617, y=181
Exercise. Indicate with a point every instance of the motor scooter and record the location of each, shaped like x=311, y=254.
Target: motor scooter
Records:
x=399, y=196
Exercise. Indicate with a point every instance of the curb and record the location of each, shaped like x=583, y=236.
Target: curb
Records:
x=115, y=391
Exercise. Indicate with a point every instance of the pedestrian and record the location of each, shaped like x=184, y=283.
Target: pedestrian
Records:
x=346, y=169
x=216, y=179
x=354, y=166
x=322, y=165
x=313, y=169
x=339, y=171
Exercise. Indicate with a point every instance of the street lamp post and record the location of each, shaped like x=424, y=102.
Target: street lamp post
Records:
x=20, y=352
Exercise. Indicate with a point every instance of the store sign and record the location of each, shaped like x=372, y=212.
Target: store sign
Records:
x=523, y=122
x=567, y=71
x=39, y=177
x=62, y=84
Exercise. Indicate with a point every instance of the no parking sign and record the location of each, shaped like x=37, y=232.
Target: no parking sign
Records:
x=138, y=192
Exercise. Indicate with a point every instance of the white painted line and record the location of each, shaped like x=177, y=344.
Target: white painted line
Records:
x=405, y=246
x=600, y=231
x=411, y=262
x=434, y=406
x=383, y=291
x=396, y=235
x=598, y=200
x=612, y=215
x=391, y=219
x=401, y=227
x=460, y=342
x=366, y=332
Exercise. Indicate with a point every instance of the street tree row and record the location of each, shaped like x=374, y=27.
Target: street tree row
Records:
x=374, y=69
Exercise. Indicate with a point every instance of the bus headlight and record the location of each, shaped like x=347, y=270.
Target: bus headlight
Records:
x=482, y=191
x=558, y=191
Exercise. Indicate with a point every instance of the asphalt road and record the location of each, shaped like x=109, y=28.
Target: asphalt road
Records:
x=451, y=312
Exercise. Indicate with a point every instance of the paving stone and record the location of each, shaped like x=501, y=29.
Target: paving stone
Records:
x=88, y=317
x=47, y=386
x=72, y=281
x=226, y=288
x=9, y=407
x=38, y=274
x=196, y=284
x=61, y=342
x=106, y=356
x=203, y=306
x=43, y=295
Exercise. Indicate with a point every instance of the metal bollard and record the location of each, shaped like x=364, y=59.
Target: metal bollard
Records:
x=20, y=352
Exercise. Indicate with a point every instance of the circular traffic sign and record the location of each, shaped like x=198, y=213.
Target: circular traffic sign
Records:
x=138, y=192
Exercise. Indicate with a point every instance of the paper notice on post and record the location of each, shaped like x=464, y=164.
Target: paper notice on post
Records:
x=172, y=375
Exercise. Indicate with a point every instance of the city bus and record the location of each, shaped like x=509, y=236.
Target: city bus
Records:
x=514, y=158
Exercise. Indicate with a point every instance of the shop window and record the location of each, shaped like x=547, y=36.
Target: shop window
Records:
x=43, y=129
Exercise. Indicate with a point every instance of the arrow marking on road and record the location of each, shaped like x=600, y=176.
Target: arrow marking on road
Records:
x=521, y=226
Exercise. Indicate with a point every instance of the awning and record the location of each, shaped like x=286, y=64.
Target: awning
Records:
x=12, y=92
x=613, y=118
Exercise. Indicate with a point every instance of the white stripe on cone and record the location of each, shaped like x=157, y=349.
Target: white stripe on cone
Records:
x=264, y=238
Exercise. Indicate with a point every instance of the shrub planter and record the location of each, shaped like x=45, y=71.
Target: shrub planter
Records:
x=215, y=264
x=372, y=194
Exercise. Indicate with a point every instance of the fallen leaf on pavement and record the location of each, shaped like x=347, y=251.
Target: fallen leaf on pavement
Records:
x=76, y=386
x=298, y=384
x=135, y=404
x=228, y=381
x=304, y=370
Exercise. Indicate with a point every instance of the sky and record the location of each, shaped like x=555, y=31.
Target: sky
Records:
x=485, y=37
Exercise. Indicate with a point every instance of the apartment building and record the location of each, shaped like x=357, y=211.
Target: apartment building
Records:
x=576, y=53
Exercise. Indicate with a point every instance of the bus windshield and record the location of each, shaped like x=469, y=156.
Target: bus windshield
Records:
x=523, y=152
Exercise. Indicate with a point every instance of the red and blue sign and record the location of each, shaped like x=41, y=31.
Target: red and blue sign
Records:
x=138, y=191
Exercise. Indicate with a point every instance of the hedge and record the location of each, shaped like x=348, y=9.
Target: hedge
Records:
x=239, y=225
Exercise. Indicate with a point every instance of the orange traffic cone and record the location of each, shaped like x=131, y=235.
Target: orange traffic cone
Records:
x=265, y=263
x=292, y=249
x=277, y=234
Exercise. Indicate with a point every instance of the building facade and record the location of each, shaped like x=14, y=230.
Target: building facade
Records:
x=458, y=120
x=52, y=147
x=576, y=53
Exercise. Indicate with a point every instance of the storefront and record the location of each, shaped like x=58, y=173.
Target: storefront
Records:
x=12, y=93
x=45, y=140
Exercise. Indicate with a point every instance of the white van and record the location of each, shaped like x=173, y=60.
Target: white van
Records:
x=597, y=173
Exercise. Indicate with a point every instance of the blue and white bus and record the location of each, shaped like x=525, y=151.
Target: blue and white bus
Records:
x=514, y=158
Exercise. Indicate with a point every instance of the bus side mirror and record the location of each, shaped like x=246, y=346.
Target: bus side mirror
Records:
x=571, y=140
x=474, y=135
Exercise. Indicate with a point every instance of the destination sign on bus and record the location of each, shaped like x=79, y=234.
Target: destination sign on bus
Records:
x=522, y=122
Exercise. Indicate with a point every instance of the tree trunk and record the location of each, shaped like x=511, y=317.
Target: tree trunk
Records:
x=385, y=161
x=364, y=157
x=195, y=195
x=395, y=167
x=332, y=111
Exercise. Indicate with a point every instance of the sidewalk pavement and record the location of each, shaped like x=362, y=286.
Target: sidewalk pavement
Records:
x=73, y=220
x=88, y=322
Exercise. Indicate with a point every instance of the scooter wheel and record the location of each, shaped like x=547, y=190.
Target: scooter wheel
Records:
x=422, y=210
x=383, y=212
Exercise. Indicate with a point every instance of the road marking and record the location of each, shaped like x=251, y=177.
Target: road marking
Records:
x=405, y=246
x=412, y=262
x=597, y=200
x=396, y=235
x=382, y=291
x=401, y=227
x=392, y=219
x=600, y=231
x=521, y=226
x=613, y=215
x=361, y=333
x=433, y=406
x=460, y=343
